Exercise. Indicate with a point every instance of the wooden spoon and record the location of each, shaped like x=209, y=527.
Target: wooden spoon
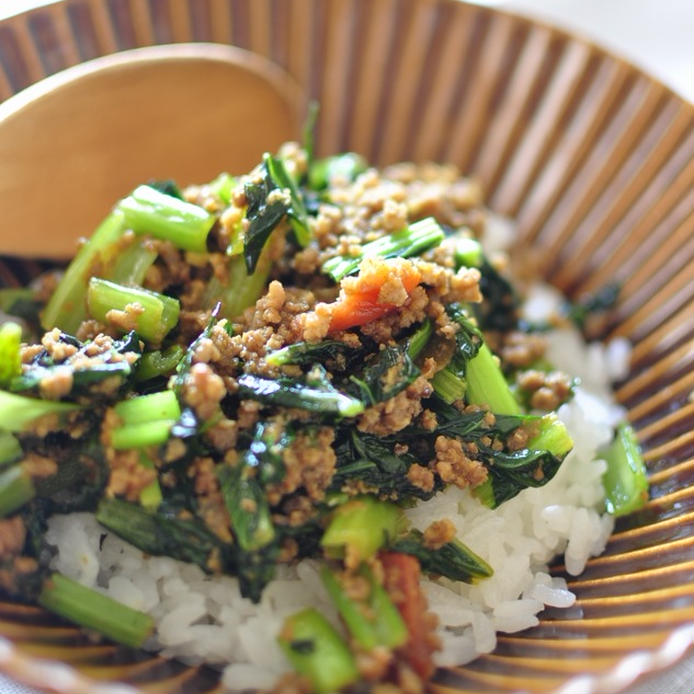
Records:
x=74, y=143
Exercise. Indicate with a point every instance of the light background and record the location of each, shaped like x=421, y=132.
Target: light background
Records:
x=656, y=35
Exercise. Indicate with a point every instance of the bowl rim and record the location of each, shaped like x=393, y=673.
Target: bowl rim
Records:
x=61, y=678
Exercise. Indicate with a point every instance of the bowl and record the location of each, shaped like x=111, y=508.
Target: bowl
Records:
x=595, y=162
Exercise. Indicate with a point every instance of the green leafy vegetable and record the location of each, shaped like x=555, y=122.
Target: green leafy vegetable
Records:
x=309, y=353
x=315, y=395
x=266, y=207
x=386, y=375
x=298, y=217
x=84, y=371
x=161, y=533
x=453, y=559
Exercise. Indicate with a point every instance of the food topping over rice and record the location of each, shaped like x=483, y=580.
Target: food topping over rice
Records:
x=302, y=424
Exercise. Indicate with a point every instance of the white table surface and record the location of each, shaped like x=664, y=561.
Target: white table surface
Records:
x=656, y=35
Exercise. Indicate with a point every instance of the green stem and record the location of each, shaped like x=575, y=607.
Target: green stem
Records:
x=317, y=652
x=130, y=267
x=346, y=166
x=92, y=610
x=150, y=496
x=407, y=242
x=149, y=408
x=551, y=436
x=486, y=385
x=241, y=290
x=449, y=386
x=10, y=360
x=158, y=363
x=625, y=481
x=17, y=411
x=16, y=489
x=363, y=525
x=159, y=313
x=419, y=339
x=67, y=306
x=10, y=448
x=147, y=211
x=143, y=434
x=374, y=621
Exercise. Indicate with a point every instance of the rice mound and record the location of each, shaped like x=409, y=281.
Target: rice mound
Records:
x=203, y=618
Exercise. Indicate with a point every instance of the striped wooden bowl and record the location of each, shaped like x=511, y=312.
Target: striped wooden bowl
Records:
x=595, y=161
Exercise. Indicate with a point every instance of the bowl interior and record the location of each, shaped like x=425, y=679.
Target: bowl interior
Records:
x=595, y=162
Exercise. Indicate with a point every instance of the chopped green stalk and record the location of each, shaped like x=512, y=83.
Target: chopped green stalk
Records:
x=411, y=240
x=372, y=622
x=160, y=534
x=67, y=307
x=11, y=297
x=157, y=363
x=17, y=411
x=308, y=131
x=241, y=290
x=148, y=408
x=363, y=525
x=468, y=252
x=487, y=386
x=16, y=489
x=551, y=436
x=448, y=385
x=223, y=187
x=625, y=481
x=453, y=559
x=150, y=496
x=419, y=339
x=130, y=267
x=390, y=626
x=10, y=360
x=147, y=211
x=247, y=506
x=345, y=166
x=317, y=652
x=289, y=393
x=142, y=434
x=93, y=610
x=159, y=313
x=10, y=448
x=236, y=240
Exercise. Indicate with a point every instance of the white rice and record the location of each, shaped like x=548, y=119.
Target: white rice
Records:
x=199, y=618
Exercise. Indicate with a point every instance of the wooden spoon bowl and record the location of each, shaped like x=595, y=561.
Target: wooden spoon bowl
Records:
x=75, y=142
